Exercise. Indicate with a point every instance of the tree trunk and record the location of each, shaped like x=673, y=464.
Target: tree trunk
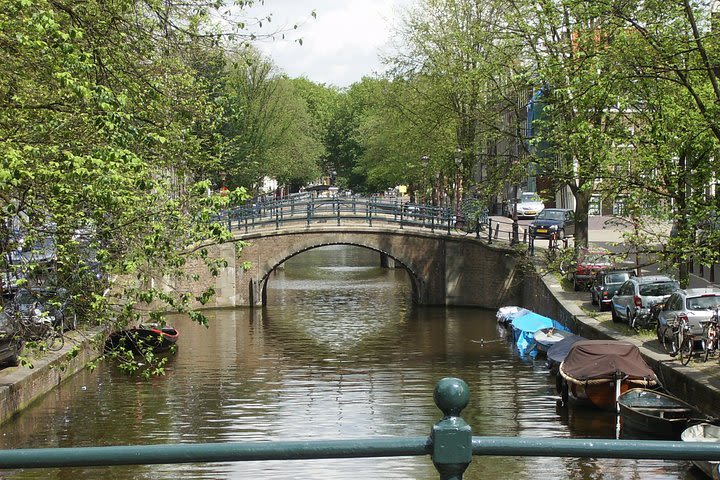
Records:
x=582, y=206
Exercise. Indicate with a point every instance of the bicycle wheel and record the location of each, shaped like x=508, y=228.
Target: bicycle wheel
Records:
x=686, y=350
x=55, y=341
x=670, y=344
x=707, y=346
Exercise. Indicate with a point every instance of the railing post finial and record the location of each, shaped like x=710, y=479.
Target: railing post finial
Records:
x=451, y=436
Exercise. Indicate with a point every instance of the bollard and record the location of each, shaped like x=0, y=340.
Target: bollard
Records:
x=451, y=436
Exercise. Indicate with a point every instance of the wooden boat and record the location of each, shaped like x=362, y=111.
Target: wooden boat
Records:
x=597, y=372
x=654, y=413
x=547, y=337
x=704, y=432
x=157, y=338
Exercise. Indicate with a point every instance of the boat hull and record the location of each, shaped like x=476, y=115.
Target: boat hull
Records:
x=600, y=395
x=655, y=414
x=142, y=339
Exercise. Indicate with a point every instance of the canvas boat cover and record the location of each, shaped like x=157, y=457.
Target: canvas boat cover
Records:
x=559, y=351
x=597, y=359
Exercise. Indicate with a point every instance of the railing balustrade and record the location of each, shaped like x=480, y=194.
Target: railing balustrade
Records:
x=450, y=445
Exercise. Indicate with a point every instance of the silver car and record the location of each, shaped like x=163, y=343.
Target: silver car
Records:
x=633, y=301
x=694, y=304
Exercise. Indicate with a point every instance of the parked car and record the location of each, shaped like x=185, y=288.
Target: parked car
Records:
x=589, y=263
x=54, y=301
x=10, y=341
x=528, y=205
x=694, y=305
x=633, y=301
x=553, y=221
x=605, y=284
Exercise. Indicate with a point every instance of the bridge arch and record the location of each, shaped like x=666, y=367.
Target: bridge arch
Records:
x=415, y=280
x=443, y=269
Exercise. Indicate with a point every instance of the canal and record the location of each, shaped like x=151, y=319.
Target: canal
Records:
x=340, y=352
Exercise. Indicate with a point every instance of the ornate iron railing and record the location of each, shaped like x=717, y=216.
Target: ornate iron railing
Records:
x=450, y=445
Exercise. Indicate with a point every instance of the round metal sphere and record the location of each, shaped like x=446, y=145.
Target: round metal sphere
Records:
x=451, y=395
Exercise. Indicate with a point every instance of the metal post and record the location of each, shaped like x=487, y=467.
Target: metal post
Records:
x=451, y=436
x=489, y=230
x=337, y=202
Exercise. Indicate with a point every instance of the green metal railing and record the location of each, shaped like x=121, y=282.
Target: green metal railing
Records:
x=450, y=445
x=343, y=210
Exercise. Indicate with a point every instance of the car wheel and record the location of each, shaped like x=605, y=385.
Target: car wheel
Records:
x=614, y=314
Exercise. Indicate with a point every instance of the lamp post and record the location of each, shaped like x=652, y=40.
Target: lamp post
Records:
x=458, y=179
x=425, y=161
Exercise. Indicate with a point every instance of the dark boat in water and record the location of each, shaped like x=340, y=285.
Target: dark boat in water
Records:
x=655, y=414
x=156, y=338
x=597, y=372
x=557, y=353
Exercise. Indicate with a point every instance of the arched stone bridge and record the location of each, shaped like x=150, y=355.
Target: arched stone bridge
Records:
x=444, y=269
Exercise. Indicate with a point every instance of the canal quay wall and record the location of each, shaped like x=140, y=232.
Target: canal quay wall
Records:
x=697, y=383
x=20, y=386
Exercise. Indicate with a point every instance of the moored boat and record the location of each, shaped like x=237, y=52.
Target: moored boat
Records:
x=547, y=337
x=505, y=315
x=157, y=338
x=525, y=326
x=704, y=432
x=557, y=352
x=597, y=372
x=654, y=413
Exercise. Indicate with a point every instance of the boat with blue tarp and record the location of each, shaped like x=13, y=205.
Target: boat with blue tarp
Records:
x=525, y=326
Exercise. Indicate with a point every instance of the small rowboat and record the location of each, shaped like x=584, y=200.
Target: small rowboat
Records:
x=704, y=432
x=153, y=337
x=654, y=413
x=547, y=337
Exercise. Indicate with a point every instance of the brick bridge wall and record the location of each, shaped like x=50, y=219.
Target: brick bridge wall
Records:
x=444, y=270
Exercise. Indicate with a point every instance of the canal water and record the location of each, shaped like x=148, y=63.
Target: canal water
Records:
x=339, y=352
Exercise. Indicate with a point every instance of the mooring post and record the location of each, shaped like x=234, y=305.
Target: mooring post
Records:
x=451, y=436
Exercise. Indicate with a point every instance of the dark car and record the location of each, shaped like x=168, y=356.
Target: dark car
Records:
x=54, y=301
x=605, y=284
x=10, y=341
x=559, y=222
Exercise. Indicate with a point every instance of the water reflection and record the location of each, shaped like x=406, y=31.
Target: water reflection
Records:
x=339, y=351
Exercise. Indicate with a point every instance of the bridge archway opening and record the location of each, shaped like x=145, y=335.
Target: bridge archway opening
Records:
x=398, y=264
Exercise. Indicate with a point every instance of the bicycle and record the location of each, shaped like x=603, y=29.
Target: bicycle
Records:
x=683, y=340
x=710, y=335
x=35, y=327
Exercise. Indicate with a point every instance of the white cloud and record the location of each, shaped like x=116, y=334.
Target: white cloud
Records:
x=340, y=46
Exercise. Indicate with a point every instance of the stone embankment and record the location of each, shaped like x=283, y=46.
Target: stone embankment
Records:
x=20, y=386
x=698, y=383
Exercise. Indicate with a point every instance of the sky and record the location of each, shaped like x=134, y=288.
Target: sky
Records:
x=340, y=46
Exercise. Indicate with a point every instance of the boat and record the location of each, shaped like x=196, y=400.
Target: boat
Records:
x=505, y=315
x=525, y=326
x=704, y=432
x=157, y=338
x=597, y=372
x=547, y=337
x=654, y=413
x=557, y=352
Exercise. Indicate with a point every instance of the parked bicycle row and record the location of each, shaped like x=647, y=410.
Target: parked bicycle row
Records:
x=685, y=320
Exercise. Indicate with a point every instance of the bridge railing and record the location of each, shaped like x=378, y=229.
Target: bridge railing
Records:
x=450, y=445
x=346, y=210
